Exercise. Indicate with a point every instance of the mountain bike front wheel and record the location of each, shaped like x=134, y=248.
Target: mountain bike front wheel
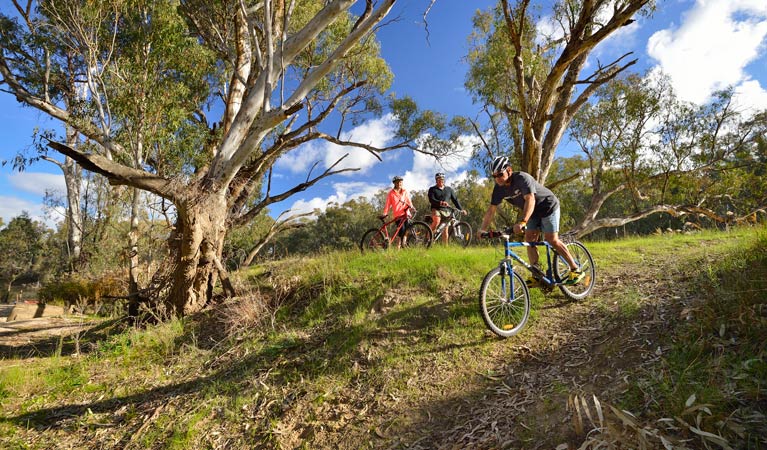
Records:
x=459, y=234
x=373, y=241
x=419, y=235
x=504, y=302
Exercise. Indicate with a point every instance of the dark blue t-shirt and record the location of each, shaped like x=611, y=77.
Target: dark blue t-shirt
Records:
x=522, y=184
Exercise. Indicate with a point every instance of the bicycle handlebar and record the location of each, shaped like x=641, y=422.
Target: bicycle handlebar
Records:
x=454, y=210
x=506, y=233
x=382, y=217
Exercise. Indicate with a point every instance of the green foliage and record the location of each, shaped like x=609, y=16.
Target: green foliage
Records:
x=491, y=79
x=156, y=80
x=21, y=246
x=76, y=290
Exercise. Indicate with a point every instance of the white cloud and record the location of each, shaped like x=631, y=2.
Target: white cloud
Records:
x=376, y=133
x=37, y=182
x=11, y=207
x=751, y=96
x=343, y=193
x=419, y=178
x=712, y=47
x=300, y=159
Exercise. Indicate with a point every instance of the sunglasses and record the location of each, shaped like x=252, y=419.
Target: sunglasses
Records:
x=498, y=175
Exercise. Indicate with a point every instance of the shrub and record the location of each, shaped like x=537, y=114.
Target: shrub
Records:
x=95, y=295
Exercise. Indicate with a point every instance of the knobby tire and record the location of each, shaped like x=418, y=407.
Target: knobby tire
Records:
x=460, y=234
x=373, y=241
x=419, y=235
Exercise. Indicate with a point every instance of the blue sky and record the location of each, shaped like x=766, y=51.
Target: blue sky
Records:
x=703, y=45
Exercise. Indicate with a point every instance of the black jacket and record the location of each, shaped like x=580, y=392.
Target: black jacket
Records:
x=445, y=194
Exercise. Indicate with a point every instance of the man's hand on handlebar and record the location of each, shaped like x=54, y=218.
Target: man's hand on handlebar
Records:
x=519, y=228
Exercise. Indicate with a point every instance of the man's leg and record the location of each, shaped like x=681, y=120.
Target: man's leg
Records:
x=434, y=220
x=446, y=233
x=550, y=227
x=532, y=252
x=561, y=248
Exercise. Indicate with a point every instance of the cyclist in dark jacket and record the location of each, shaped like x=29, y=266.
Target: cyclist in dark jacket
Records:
x=439, y=195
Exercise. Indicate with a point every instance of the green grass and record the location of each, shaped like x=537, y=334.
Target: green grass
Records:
x=357, y=333
x=719, y=356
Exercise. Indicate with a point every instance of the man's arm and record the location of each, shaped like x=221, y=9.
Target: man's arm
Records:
x=489, y=214
x=432, y=197
x=527, y=212
x=454, y=199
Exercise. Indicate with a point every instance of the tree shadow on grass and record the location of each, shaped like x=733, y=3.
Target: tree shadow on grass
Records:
x=79, y=340
x=312, y=355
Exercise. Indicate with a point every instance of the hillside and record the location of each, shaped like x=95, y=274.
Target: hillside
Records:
x=389, y=351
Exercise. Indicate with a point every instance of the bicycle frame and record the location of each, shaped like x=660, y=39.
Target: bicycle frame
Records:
x=445, y=224
x=547, y=278
x=504, y=297
x=385, y=227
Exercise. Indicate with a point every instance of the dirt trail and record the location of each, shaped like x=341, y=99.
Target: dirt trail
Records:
x=587, y=348
x=40, y=336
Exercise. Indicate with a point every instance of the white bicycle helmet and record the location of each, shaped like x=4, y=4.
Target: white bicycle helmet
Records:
x=499, y=164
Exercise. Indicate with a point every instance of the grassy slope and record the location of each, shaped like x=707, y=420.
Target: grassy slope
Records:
x=389, y=350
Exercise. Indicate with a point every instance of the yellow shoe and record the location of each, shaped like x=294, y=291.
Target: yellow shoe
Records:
x=575, y=277
x=532, y=282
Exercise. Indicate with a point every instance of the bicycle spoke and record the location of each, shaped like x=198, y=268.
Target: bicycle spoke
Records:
x=505, y=305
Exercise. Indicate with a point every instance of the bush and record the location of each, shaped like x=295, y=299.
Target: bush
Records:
x=93, y=295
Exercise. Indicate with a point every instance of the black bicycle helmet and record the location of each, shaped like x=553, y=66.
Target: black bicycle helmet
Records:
x=396, y=179
x=439, y=175
x=499, y=164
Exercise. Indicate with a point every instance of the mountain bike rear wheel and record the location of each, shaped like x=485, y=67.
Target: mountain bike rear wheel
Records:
x=504, y=302
x=584, y=260
x=418, y=235
x=373, y=241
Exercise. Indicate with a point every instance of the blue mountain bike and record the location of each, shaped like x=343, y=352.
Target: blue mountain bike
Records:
x=504, y=298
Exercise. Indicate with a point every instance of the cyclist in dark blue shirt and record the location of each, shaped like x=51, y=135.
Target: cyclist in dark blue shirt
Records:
x=540, y=213
x=439, y=195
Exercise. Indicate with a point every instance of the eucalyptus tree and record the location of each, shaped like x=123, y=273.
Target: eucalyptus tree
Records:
x=660, y=154
x=20, y=248
x=278, y=70
x=531, y=79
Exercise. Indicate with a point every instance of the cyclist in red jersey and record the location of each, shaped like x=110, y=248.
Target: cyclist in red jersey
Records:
x=398, y=200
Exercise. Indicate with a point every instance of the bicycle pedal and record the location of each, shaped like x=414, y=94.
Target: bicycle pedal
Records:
x=533, y=283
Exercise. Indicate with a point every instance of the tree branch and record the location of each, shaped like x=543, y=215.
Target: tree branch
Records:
x=253, y=212
x=119, y=174
x=288, y=223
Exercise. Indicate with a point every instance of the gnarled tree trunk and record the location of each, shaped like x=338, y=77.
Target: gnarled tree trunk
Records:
x=196, y=246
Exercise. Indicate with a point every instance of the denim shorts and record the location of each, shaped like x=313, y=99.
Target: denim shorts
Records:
x=548, y=224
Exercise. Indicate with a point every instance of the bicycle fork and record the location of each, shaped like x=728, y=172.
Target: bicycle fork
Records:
x=507, y=281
